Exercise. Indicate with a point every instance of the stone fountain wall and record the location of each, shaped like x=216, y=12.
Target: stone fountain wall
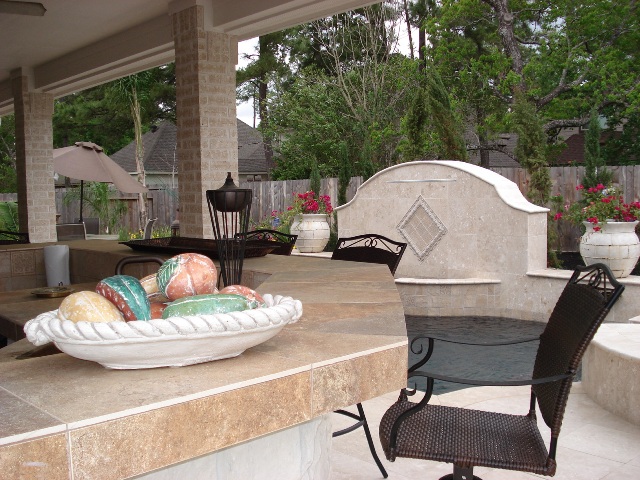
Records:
x=476, y=246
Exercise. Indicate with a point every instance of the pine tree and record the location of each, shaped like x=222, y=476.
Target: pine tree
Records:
x=530, y=149
x=314, y=179
x=414, y=127
x=595, y=170
x=344, y=174
x=443, y=118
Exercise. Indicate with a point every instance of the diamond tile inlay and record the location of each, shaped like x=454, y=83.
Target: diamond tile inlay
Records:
x=421, y=228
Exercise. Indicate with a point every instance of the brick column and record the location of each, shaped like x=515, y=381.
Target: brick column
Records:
x=34, y=160
x=206, y=115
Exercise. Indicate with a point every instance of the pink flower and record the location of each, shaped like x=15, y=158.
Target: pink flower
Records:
x=580, y=187
x=558, y=216
x=596, y=229
x=308, y=203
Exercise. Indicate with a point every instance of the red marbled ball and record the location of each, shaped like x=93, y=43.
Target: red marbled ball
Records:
x=254, y=297
x=187, y=274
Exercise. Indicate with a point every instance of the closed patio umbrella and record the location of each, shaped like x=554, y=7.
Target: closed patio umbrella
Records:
x=87, y=161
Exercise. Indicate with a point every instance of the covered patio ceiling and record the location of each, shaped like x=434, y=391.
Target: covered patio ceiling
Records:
x=80, y=44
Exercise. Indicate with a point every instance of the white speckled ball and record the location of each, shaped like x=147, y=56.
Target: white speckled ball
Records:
x=88, y=307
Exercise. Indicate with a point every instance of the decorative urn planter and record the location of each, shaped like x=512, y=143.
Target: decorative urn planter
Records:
x=312, y=230
x=616, y=245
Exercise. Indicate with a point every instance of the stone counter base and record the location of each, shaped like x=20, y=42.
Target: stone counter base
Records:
x=303, y=451
x=611, y=370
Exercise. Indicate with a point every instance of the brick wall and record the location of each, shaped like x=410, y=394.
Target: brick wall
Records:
x=34, y=161
x=207, y=141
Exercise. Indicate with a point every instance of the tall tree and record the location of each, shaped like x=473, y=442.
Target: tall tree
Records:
x=255, y=78
x=351, y=85
x=420, y=11
x=132, y=90
x=530, y=149
x=415, y=125
x=595, y=170
x=444, y=121
x=565, y=57
x=361, y=51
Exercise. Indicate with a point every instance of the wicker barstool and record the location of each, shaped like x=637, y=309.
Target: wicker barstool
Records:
x=469, y=438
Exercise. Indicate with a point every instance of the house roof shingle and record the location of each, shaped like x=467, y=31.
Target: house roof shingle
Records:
x=160, y=155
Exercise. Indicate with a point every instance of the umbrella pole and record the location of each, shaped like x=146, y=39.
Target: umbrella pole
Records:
x=81, y=198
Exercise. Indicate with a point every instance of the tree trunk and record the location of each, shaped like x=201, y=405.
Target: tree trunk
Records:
x=263, y=89
x=509, y=40
x=422, y=42
x=408, y=22
x=137, y=128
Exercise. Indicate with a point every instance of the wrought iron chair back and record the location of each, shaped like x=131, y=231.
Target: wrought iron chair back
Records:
x=285, y=241
x=370, y=248
x=469, y=438
x=91, y=225
x=71, y=231
x=148, y=229
x=137, y=259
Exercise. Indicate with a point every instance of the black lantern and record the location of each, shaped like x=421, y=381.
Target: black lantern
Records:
x=229, y=207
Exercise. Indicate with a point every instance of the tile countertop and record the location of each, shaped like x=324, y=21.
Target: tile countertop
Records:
x=67, y=418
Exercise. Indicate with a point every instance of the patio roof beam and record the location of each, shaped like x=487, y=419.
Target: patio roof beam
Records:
x=146, y=46
x=265, y=16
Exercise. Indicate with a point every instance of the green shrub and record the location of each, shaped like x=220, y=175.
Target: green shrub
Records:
x=9, y=216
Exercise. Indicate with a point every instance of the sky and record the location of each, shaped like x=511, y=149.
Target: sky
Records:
x=245, y=110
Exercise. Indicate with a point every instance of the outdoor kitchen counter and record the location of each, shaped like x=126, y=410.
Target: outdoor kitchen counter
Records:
x=64, y=418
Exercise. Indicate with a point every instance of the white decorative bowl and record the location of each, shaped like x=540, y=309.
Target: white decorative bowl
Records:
x=173, y=342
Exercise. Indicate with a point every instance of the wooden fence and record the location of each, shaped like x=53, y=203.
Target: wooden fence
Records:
x=278, y=195
x=161, y=204
x=270, y=196
x=565, y=180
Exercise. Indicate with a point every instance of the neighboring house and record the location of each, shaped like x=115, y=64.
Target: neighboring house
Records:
x=252, y=162
x=161, y=161
x=572, y=154
x=507, y=141
x=574, y=138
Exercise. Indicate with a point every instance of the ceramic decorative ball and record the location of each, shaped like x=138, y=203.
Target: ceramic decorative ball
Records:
x=88, y=306
x=128, y=294
x=254, y=297
x=187, y=274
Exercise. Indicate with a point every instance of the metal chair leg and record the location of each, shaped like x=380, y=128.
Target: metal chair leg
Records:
x=461, y=473
x=362, y=422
